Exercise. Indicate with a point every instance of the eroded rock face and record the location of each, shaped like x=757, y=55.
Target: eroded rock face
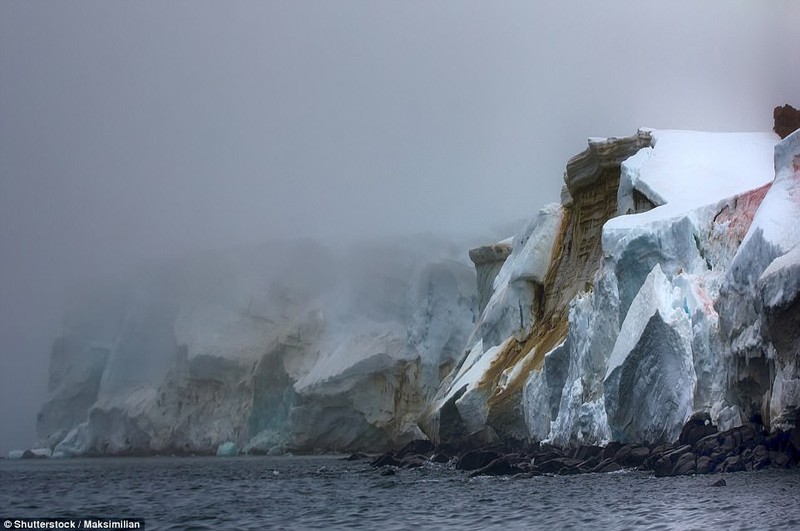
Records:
x=553, y=259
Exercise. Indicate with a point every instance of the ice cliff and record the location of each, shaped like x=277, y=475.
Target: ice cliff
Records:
x=666, y=282
x=292, y=346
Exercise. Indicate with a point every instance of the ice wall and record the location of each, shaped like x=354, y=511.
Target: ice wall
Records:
x=666, y=282
x=285, y=347
x=671, y=267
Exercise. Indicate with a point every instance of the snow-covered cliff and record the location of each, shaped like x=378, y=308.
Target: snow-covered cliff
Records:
x=292, y=346
x=666, y=282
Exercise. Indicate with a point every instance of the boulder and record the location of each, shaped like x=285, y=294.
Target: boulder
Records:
x=685, y=465
x=697, y=427
x=607, y=466
x=611, y=449
x=663, y=467
x=498, y=467
x=554, y=466
x=387, y=459
x=705, y=465
x=734, y=463
x=476, y=459
x=419, y=446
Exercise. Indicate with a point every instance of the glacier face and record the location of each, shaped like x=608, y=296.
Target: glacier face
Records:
x=293, y=346
x=666, y=282
x=671, y=287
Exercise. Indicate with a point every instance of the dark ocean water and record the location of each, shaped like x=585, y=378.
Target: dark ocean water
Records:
x=327, y=493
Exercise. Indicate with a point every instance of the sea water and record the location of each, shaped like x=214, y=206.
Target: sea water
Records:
x=329, y=493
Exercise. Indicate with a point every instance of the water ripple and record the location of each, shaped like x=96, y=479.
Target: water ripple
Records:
x=325, y=493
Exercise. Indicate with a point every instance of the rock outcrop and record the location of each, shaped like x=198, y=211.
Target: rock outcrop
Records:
x=787, y=120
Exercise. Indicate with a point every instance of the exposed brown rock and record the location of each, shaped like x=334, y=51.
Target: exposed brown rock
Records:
x=787, y=120
x=592, y=180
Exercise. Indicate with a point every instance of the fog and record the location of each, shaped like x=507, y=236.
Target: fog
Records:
x=133, y=132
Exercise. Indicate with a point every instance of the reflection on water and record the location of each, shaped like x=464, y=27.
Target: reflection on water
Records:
x=324, y=493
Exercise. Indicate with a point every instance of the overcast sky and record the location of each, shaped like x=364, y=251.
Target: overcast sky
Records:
x=131, y=131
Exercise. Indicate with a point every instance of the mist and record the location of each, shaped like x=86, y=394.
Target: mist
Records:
x=132, y=133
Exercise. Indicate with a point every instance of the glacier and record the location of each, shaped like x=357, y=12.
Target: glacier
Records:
x=665, y=283
x=671, y=288
x=295, y=346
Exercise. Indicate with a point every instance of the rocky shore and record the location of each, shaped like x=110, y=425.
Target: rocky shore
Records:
x=700, y=449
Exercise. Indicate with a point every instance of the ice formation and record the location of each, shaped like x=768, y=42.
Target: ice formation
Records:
x=295, y=346
x=670, y=287
x=666, y=282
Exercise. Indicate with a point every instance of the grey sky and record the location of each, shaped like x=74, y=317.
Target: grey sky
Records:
x=136, y=130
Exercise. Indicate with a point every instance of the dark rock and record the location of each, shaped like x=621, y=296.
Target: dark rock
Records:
x=745, y=436
x=685, y=465
x=607, y=466
x=602, y=464
x=419, y=446
x=747, y=457
x=636, y=457
x=779, y=459
x=707, y=445
x=663, y=467
x=611, y=449
x=585, y=452
x=498, y=467
x=592, y=462
x=735, y=440
x=553, y=466
x=355, y=457
x=697, y=427
x=719, y=483
x=761, y=463
x=387, y=471
x=787, y=120
x=760, y=451
x=733, y=464
x=662, y=448
x=440, y=458
x=476, y=459
x=675, y=454
x=622, y=453
x=569, y=471
x=547, y=452
x=414, y=461
x=705, y=465
x=717, y=458
x=777, y=441
x=656, y=453
x=794, y=439
x=386, y=459
x=728, y=443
